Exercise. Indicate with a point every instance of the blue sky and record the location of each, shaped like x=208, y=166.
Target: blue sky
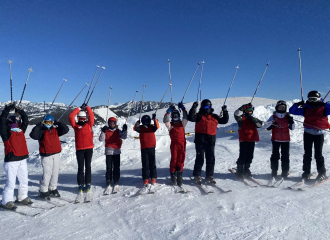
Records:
x=134, y=39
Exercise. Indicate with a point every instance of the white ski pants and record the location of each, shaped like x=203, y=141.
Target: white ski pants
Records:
x=15, y=169
x=51, y=167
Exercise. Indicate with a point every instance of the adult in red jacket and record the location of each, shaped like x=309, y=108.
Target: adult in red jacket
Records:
x=176, y=128
x=12, y=131
x=248, y=135
x=83, y=129
x=148, y=147
x=205, y=136
x=280, y=124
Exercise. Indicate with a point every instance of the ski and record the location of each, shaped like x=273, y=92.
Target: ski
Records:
x=214, y=184
x=255, y=181
x=247, y=183
x=271, y=182
x=65, y=199
x=301, y=183
x=107, y=191
x=143, y=190
x=313, y=185
x=19, y=212
x=278, y=183
x=181, y=189
x=203, y=187
x=88, y=197
x=34, y=206
x=115, y=189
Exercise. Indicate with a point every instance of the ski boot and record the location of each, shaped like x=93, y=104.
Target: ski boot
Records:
x=54, y=193
x=173, y=178
x=88, y=196
x=210, y=180
x=153, y=181
x=240, y=171
x=116, y=182
x=198, y=179
x=44, y=195
x=306, y=175
x=80, y=195
x=179, y=178
x=25, y=201
x=274, y=173
x=9, y=206
x=285, y=174
x=247, y=172
x=320, y=177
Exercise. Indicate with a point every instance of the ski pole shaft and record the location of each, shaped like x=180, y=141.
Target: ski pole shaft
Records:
x=11, y=81
x=200, y=80
x=30, y=70
x=162, y=99
x=108, y=103
x=169, y=73
x=311, y=125
x=64, y=80
x=72, y=102
x=301, y=87
x=260, y=82
x=325, y=96
x=97, y=67
x=230, y=88
x=190, y=81
x=129, y=111
x=95, y=85
x=142, y=102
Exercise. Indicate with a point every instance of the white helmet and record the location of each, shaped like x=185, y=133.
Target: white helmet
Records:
x=82, y=114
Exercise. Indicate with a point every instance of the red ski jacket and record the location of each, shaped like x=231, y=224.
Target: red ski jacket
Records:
x=248, y=131
x=315, y=117
x=177, y=133
x=50, y=144
x=83, y=133
x=282, y=133
x=16, y=145
x=112, y=139
x=147, y=135
x=207, y=125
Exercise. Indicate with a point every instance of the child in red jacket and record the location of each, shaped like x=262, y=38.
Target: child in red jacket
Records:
x=176, y=127
x=84, y=146
x=148, y=147
x=248, y=136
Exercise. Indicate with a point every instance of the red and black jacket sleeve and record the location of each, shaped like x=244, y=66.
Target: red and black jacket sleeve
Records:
x=4, y=128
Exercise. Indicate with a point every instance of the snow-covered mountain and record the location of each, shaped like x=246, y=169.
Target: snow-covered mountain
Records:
x=245, y=213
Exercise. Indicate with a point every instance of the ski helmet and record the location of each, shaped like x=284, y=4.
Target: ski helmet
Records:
x=206, y=106
x=314, y=96
x=82, y=116
x=112, y=119
x=48, y=121
x=175, y=115
x=279, y=103
x=146, y=120
x=14, y=120
x=248, y=108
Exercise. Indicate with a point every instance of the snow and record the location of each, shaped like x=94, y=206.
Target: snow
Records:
x=245, y=213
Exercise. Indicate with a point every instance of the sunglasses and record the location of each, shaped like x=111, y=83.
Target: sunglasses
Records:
x=313, y=99
x=48, y=122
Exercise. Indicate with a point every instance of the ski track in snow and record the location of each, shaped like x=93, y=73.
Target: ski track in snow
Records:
x=245, y=213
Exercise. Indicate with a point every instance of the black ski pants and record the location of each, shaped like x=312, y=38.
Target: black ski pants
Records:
x=246, y=150
x=113, y=168
x=285, y=156
x=84, y=159
x=318, y=141
x=148, y=158
x=208, y=150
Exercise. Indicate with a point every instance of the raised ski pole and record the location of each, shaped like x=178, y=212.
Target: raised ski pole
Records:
x=169, y=73
x=72, y=102
x=97, y=67
x=11, y=82
x=142, y=102
x=190, y=82
x=129, y=111
x=108, y=104
x=325, y=96
x=260, y=81
x=301, y=87
x=162, y=98
x=95, y=85
x=229, y=88
x=64, y=80
x=30, y=70
x=200, y=81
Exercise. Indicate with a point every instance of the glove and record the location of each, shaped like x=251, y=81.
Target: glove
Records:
x=105, y=128
x=301, y=103
x=195, y=105
x=290, y=119
x=181, y=106
x=125, y=127
x=224, y=108
x=154, y=116
x=56, y=122
x=169, y=110
x=83, y=107
x=10, y=107
x=270, y=127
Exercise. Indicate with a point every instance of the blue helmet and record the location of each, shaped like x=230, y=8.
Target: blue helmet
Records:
x=48, y=121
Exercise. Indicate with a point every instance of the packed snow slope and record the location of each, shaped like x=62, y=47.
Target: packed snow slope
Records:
x=245, y=213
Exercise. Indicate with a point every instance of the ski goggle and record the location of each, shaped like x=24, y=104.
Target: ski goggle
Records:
x=313, y=99
x=206, y=107
x=48, y=123
x=81, y=118
x=13, y=125
x=112, y=123
x=249, y=109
